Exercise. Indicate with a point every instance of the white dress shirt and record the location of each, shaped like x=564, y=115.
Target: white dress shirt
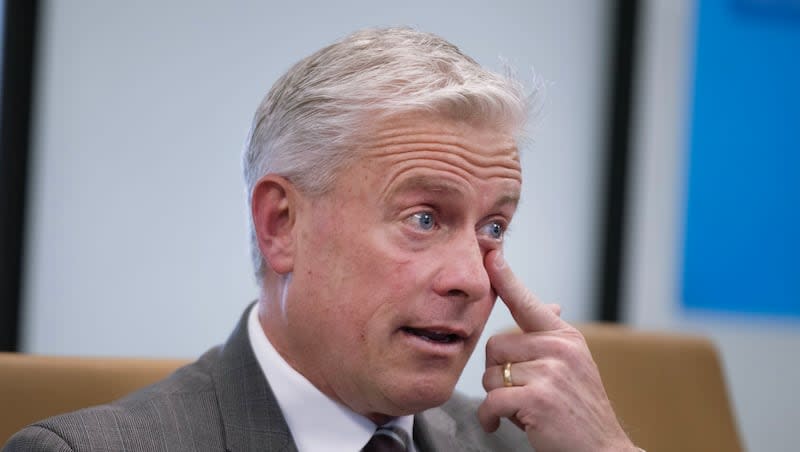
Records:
x=317, y=423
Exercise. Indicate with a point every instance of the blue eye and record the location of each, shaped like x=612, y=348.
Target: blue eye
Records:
x=424, y=220
x=495, y=230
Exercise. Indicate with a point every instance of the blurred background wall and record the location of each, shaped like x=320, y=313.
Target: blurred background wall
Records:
x=137, y=227
x=718, y=77
x=135, y=238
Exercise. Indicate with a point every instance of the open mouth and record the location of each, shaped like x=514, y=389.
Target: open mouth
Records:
x=434, y=336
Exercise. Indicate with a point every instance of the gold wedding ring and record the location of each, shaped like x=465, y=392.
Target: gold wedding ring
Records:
x=507, y=382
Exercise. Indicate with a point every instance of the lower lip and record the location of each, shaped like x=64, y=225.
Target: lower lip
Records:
x=436, y=348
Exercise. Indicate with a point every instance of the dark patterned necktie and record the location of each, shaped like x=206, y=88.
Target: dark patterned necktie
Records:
x=388, y=439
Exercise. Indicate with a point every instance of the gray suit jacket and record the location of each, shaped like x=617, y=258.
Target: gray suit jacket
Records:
x=223, y=402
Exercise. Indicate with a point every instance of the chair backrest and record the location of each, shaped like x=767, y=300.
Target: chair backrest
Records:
x=36, y=387
x=667, y=389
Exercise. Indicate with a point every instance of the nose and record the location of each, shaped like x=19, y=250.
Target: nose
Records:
x=462, y=274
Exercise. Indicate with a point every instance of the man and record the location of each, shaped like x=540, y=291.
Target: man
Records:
x=382, y=172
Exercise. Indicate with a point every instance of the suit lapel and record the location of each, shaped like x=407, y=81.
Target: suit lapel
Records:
x=250, y=413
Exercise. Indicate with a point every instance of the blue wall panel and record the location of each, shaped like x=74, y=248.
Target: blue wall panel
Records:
x=742, y=235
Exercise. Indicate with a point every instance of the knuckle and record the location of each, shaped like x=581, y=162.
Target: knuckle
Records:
x=492, y=346
x=574, y=334
x=545, y=397
x=572, y=346
x=487, y=380
x=534, y=394
x=549, y=368
x=539, y=399
x=491, y=401
x=560, y=347
x=552, y=374
x=571, y=351
x=529, y=418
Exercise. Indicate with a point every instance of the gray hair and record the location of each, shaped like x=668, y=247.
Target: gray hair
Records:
x=307, y=127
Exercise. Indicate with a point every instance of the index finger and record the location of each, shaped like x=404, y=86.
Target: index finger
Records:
x=530, y=314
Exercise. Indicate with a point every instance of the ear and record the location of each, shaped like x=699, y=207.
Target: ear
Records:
x=274, y=207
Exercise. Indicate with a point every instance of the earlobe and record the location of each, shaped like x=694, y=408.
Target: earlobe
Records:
x=273, y=209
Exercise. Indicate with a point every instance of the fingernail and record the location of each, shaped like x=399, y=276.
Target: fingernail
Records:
x=499, y=261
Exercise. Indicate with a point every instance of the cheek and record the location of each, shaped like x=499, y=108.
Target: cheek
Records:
x=388, y=289
x=486, y=308
x=407, y=272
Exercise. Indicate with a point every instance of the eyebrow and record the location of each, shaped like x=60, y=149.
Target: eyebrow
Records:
x=447, y=188
x=506, y=200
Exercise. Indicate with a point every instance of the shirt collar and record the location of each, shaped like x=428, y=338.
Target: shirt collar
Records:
x=316, y=422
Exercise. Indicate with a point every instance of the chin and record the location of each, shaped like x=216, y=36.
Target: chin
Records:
x=423, y=394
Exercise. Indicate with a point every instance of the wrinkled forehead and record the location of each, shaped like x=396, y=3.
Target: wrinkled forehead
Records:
x=411, y=148
x=480, y=137
x=384, y=149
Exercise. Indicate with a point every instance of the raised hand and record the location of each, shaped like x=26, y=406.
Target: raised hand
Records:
x=555, y=393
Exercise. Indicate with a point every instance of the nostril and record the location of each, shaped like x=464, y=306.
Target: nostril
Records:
x=456, y=293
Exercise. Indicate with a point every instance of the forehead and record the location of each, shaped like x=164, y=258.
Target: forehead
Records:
x=409, y=146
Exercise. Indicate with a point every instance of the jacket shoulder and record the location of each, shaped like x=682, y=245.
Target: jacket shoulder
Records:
x=36, y=439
